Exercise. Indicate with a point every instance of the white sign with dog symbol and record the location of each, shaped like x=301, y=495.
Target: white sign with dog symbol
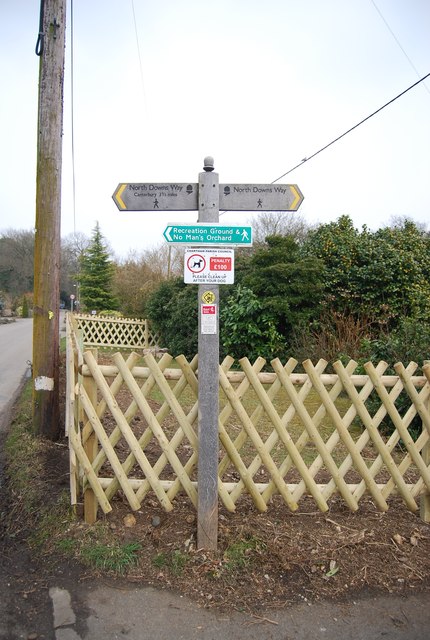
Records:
x=209, y=266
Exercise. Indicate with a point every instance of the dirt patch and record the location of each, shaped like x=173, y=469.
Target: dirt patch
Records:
x=267, y=560
x=25, y=571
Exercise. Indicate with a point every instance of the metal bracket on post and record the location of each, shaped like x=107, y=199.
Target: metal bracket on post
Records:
x=208, y=379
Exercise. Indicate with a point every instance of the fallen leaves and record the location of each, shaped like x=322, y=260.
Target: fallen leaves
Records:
x=129, y=520
x=413, y=539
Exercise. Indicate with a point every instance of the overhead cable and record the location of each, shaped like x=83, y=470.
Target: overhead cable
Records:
x=142, y=82
x=398, y=43
x=351, y=129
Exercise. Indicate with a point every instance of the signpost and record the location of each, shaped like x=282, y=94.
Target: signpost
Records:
x=182, y=196
x=260, y=197
x=156, y=196
x=207, y=267
x=213, y=234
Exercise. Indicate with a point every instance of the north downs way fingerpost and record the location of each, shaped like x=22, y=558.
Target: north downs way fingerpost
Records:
x=209, y=263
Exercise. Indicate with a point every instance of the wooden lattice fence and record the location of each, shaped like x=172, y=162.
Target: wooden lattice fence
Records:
x=116, y=333
x=132, y=427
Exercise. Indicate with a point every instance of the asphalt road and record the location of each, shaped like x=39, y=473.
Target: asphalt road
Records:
x=15, y=354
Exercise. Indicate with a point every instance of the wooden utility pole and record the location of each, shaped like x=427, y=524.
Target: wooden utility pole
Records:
x=50, y=48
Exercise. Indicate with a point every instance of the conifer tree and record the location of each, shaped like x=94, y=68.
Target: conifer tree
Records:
x=96, y=275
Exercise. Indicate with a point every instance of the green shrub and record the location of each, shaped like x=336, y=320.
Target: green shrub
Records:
x=410, y=342
x=172, y=310
x=247, y=330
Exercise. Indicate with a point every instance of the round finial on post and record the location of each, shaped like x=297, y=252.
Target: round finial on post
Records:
x=208, y=163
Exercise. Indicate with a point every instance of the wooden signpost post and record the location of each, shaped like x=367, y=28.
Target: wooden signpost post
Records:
x=207, y=470
x=209, y=268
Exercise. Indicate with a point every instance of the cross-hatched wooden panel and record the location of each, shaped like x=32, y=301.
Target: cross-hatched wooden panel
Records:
x=281, y=432
x=143, y=428
x=116, y=333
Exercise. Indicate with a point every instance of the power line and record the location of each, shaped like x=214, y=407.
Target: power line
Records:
x=139, y=56
x=398, y=43
x=351, y=129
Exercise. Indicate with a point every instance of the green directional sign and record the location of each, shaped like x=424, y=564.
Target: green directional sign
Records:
x=210, y=233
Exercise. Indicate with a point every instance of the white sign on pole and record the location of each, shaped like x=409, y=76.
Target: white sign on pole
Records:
x=209, y=266
x=208, y=318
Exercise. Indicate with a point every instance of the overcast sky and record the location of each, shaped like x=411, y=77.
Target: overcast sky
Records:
x=257, y=85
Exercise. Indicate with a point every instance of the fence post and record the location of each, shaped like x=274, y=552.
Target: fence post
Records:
x=71, y=417
x=146, y=334
x=79, y=376
x=425, y=497
x=90, y=447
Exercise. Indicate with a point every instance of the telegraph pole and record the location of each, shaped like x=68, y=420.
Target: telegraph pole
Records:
x=50, y=48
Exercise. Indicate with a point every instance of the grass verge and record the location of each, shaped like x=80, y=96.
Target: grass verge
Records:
x=38, y=504
x=24, y=459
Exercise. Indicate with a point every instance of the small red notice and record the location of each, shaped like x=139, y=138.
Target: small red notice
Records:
x=208, y=319
x=219, y=263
